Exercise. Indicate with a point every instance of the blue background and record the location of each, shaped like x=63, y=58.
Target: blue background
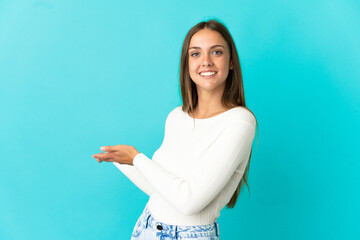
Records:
x=77, y=75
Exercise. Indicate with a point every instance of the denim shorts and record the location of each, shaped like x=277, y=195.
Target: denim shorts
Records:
x=148, y=228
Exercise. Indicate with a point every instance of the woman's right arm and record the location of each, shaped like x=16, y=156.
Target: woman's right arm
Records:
x=136, y=177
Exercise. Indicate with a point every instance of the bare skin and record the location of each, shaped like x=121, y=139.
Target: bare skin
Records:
x=209, y=52
x=119, y=153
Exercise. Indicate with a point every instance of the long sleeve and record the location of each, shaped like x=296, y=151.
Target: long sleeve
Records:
x=212, y=171
x=136, y=177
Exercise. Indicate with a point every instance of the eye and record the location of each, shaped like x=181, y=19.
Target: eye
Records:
x=193, y=54
x=218, y=52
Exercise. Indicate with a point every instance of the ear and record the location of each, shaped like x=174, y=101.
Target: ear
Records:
x=231, y=65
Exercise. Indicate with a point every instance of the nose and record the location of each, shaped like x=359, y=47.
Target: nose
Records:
x=206, y=61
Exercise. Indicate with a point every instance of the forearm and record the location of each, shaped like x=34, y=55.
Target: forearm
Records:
x=136, y=177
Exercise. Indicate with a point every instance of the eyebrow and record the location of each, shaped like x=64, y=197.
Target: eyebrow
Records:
x=214, y=46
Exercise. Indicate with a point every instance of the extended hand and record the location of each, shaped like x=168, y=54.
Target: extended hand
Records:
x=120, y=153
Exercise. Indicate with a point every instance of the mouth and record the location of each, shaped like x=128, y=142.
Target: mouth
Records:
x=207, y=74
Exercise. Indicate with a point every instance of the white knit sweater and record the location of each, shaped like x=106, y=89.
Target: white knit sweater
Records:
x=196, y=170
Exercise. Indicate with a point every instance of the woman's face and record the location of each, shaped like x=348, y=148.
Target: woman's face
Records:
x=209, y=60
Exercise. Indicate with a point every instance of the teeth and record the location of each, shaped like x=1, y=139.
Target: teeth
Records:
x=207, y=73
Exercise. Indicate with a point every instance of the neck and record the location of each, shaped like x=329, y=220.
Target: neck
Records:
x=209, y=104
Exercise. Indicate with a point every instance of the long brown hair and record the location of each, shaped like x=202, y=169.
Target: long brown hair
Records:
x=233, y=94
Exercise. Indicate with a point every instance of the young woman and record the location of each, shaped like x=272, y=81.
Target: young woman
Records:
x=204, y=158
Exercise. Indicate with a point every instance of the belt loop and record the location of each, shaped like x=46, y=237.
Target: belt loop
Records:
x=216, y=229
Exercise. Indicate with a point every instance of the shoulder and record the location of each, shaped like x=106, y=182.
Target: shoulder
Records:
x=174, y=112
x=242, y=114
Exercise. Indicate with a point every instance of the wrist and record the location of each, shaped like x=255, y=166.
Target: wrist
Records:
x=133, y=153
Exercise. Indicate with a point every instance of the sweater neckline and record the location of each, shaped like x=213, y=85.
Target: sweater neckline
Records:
x=213, y=117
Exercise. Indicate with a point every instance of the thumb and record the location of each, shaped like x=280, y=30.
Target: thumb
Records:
x=106, y=148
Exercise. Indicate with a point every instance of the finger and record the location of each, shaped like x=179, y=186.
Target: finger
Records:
x=107, y=148
x=104, y=156
x=97, y=157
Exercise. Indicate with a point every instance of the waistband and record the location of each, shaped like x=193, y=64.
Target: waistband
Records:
x=178, y=230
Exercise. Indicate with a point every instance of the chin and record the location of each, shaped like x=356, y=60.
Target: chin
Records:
x=209, y=87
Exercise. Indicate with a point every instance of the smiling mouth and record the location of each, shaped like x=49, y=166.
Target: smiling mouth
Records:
x=207, y=74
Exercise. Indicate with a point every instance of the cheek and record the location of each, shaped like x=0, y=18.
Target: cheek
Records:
x=192, y=66
x=225, y=64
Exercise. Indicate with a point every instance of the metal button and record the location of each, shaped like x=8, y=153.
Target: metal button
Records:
x=159, y=227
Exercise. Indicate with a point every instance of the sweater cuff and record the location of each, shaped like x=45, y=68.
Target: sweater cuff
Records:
x=138, y=158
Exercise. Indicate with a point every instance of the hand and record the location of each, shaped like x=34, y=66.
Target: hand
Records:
x=120, y=153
